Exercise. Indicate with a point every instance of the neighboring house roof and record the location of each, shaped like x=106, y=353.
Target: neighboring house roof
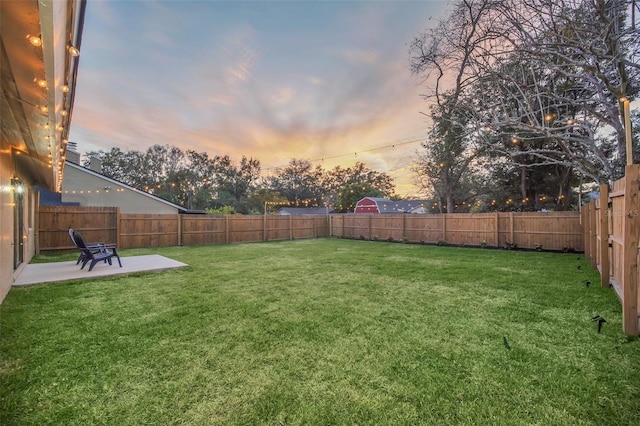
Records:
x=299, y=211
x=50, y=198
x=110, y=181
x=384, y=205
x=412, y=206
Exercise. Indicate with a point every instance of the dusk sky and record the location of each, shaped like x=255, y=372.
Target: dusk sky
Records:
x=273, y=80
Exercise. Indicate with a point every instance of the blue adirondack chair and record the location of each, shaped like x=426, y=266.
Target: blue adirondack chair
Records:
x=95, y=253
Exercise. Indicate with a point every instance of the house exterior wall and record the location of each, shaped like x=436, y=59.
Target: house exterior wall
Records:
x=91, y=190
x=28, y=232
x=6, y=224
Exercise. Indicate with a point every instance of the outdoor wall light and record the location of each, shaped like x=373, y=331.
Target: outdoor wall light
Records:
x=73, y=50
x=16, y=185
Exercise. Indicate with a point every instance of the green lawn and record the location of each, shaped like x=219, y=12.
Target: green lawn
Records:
x=323, y=331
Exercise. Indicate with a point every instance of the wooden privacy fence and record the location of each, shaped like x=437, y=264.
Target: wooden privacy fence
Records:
x=107, y=224
x=95, y=223
x=611, y=240
x=547, y=231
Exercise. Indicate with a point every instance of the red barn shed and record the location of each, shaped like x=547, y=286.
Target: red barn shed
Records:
x=370, y=205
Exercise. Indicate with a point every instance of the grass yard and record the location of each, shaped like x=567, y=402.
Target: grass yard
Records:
x=320, y=332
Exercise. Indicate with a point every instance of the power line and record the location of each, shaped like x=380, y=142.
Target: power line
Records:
x=392, y=146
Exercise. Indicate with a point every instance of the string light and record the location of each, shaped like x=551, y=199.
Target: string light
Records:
x=89, y=191
x=378, y=148
x=34, y=40
x=286, y=203
x=509, y=203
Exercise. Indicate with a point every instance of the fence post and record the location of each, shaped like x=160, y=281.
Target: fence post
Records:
x=404, y=226
x=631, y=225
x=603, y=217
x=511, y=235
x=118, y=229
x=584, y=219
x=290, y=228
x=264, y=226
x=36, y=224
x=226, y=228
x=496, y=224
x=179, y=218
x=592, y=234
x=444, y=227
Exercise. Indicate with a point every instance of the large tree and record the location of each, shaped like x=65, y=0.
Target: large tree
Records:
x=162, y=161
x=235, y=182
x=128, y=167
x=299, y=182
x=448, y=166
x=337, y=179
x=558, y=91
x=445, y=58
x=545, y=77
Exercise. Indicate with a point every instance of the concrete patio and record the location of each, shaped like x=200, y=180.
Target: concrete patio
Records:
x=40, y=273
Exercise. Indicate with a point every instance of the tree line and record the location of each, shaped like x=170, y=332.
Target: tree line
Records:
x=220, y=185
